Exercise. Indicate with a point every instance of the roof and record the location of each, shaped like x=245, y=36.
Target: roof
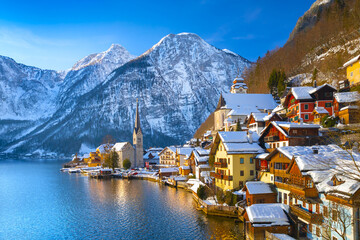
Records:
x=268, y=214
x=243, y=148
x=321, y=110
x=320, y=87
x=262, y=155
x=169, y=170
x=239, y=142
x=351, y=61
x=102, y=147
x=258, y=187
x=119, y=146
x=281, y=126
x=184, y=151
x=259, y=117
x=302, y=93
x=171, y=148
x=347, y=97
x=247, y=103
x=279, y=108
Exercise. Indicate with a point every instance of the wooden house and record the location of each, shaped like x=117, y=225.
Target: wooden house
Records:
x=279, y=134
x=261, y=218
x=346, y=107
x=259, y=192
x=319, y=113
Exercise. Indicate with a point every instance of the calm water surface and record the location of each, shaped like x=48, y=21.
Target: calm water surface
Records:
x=39, y=202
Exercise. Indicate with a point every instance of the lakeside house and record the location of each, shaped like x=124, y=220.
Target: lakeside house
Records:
x=168, y=156
x=234, y=154
x=259, y=192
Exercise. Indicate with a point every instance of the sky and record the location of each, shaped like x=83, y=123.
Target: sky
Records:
x=56, y=34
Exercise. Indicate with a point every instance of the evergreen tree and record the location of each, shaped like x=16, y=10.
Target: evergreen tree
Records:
x=201, y=192
x=238, y=127
x=126, y=164
x=111, y=160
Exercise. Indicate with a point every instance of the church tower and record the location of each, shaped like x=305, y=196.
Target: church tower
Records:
x=239, y=85
x=138, y=139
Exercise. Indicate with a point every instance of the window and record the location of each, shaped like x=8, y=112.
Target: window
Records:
x=351, y=74
x=325, y=211
x=220, y=148
x=241, y=173
x=328, y=105
x=285, y=198
x=251, y=172
x=228, y=160
x=306, y=106
x=241, y=183
x=306, y=116
x=280, y=197
x=318, y=232
x=297, y=108
x=272, y=178
x=242, y=160
x=251, y=160
x=334, y=215
x=317, y=208
x=304, y=204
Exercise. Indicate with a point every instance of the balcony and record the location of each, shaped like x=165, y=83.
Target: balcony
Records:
x=280, y=173
x=291, y=113
x=271, y=138
x=306, y=192
x=224, y=177
x=220, y=164
x=314, y=218
x=283, y=186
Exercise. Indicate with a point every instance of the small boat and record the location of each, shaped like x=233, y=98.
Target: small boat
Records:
x=64, y=169
x=74, y=170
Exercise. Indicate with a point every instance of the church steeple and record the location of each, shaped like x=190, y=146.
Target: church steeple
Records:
x=137, y=126
x=138, y=139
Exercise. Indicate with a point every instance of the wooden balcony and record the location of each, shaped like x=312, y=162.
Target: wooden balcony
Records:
x=271, y=138
x=224, y=177
x=306, y=192
x=313, y=218
x=291, y=113
x=283, y=186
x=220, y=164
x=280, y=173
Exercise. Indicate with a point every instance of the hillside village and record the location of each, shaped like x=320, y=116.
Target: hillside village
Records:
x=287, y=167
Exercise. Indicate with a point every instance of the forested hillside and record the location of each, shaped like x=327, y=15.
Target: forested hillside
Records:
x=325, y=37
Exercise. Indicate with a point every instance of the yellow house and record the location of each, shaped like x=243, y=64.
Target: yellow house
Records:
x=103, y=150
x=94, y=160
x=235, y=154
x=353, y=70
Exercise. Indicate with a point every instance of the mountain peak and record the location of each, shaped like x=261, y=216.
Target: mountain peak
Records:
x=116, y=53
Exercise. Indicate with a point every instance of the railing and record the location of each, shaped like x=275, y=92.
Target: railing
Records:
x=220, y=164
x=282, y=185
x=224, y=177
x=306, y=192
x=291, y=113
x=306, y=215
x=280, y=173
x=271, y=138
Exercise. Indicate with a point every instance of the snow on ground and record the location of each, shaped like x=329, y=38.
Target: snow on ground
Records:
x=86, y=149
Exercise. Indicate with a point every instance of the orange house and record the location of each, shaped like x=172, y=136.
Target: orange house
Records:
x=259, y=192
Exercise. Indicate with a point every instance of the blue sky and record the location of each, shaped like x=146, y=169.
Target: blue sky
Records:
x=56, y=34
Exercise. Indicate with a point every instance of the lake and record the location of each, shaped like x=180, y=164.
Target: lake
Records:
x=40, y=202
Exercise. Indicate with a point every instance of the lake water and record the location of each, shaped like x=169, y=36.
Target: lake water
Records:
x=39, y=202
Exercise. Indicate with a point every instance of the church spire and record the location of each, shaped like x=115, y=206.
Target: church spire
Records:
x=137, y=118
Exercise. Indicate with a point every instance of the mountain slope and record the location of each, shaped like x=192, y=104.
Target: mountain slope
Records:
x=177, y=82
x=324, y=38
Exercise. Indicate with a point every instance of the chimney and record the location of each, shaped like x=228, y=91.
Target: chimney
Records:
x=250, y=136
x=315, y=84
x=315, y=150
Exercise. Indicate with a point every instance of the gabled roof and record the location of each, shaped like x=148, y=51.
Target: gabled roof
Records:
x=302, y=93
x=268, y=214
x=258, y=187
x=347, y=97
x=171, y=148
x=119, y=146
x=259, y=117
x=351, y=61
x=322, y=86
x=184, y=151
x=321, y=110
x=246, y=103
x=102, y=147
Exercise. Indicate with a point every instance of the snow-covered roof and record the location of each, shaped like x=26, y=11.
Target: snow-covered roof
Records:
x=351, y=61
x=349, y=107
x=185, y=167
x=268, y=116
x=279, y=108
x=320, y=87
x=302, y=93
x=262, y=155
x=103, y=147
x=347, y=97
x=202, y=151
x=282, y=236
x=203, y=166
x=184, y=151
x=321, y=110
x=238, y=136
x=272, y=214
x=259, y=117
x=344, y=190
x=244, y=104
x=243, y=148
x=296, y=125
x=258, y=187
x=171, y=148
x=119, y=146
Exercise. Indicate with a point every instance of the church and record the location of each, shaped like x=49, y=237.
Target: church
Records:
x=132, y=152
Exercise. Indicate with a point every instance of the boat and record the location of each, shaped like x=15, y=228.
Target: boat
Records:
x=64, y=169
x=74, y=170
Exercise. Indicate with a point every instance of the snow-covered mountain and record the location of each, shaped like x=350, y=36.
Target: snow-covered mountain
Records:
x=177, y=81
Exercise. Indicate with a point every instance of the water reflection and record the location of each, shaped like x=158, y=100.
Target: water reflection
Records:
x=38, y=202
